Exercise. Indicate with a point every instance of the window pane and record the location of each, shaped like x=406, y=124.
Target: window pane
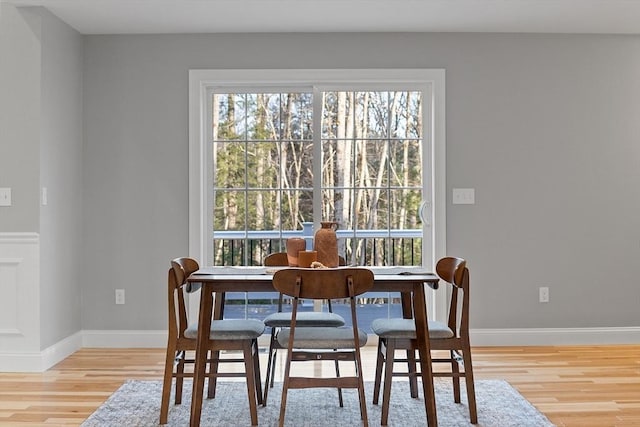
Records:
x=230, y=112
x=297, y=207
x=299, y=110
x=372, y=168
x=297, y=164
x=405, y=157
x=263, y=116
x=230, y=161
x=406, y=115
x=404, y=205
x=376, y=109
x=262, y=163
x=229, y=210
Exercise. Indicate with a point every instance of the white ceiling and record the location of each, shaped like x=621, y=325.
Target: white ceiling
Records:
x=216, y=16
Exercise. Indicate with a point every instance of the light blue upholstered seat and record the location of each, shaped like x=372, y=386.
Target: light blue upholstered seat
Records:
x=406, y=328
x=304, y=319
x=322, y=338
x=230, y=329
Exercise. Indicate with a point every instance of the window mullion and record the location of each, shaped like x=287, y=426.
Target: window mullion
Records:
x=318, y=95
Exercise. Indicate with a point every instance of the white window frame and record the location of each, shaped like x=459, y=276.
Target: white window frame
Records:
x=202, y=81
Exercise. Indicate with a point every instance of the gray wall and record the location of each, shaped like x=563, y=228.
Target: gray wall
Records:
x=19, y=121
x=61, y=173
x=544, y=127
x=41, y=145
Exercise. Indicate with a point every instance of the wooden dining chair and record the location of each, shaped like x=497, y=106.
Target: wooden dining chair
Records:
x=227, y=334
x=282, y=319
x=320, y=343
x=400, y=334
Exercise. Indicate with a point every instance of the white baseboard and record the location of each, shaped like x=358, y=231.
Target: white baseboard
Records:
x=555, y=336
x=40, y=361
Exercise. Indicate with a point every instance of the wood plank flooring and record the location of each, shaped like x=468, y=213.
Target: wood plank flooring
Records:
x=574, y=386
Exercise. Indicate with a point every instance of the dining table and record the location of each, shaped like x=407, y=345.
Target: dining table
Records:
x=215, y=281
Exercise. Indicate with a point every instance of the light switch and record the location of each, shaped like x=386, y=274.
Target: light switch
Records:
x=5, y=197
x=464, y=196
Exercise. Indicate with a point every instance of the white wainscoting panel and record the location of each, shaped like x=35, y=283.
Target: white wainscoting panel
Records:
x=20, y=302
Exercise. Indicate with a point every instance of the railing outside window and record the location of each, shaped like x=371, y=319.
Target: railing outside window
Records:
x=359, y=247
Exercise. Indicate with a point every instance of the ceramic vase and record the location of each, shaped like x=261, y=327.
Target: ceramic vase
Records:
x=294, y=245
x=326, y=244
x=306, y=258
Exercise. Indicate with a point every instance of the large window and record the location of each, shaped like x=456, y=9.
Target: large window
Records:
x=274, y=152
x=368, y=173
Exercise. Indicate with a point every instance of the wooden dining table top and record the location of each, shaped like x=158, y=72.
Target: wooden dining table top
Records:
x=258, y=278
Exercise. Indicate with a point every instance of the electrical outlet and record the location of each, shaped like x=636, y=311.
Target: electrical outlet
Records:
x=544, y=294
x=5, y=196
x=464, y=196
x=119, y=296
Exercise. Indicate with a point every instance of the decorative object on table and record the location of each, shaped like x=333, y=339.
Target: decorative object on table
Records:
x=326, y=244
x=136, y=403
x=306, y=258
x=294, y=245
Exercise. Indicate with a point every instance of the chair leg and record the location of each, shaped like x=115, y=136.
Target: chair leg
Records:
x=413, y=377
x=213, y=371
x=455, y=370
x=271, y=366
x=256, y=370
x=340, y=402
x=166, y=383
x=179, y=377
x=388, y=377
x=251, y=381
x=285, y=389
x=468, y=379
x=379, y=365
x=361, y=396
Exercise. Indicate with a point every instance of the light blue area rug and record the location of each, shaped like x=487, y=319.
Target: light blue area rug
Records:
x=137, y=404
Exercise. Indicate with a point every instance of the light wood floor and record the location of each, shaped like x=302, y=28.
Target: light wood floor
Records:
x=577, y=386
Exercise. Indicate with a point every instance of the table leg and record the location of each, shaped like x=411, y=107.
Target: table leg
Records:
x=202, y=348
x=407, y=313
x=422, y=333
x=218, y=310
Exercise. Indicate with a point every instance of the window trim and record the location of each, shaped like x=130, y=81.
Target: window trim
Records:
x=202, y=81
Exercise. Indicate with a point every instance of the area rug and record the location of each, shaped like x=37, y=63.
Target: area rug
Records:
x=137, y=404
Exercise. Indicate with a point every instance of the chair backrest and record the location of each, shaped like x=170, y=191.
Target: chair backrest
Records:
x=180, y=270
x=183, y=267
x=455, y=272
x=276, y=259
x=280, y=259
x=323, y=283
